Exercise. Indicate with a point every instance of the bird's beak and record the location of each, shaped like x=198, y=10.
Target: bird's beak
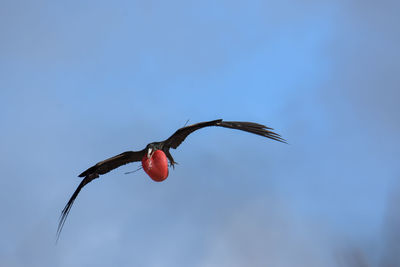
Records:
x=149, y=153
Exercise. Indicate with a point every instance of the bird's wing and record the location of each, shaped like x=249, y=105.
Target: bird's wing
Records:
x=179, y=136
x=93, y=172
x=112, y=163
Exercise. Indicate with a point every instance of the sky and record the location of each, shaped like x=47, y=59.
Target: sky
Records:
x=82, y=81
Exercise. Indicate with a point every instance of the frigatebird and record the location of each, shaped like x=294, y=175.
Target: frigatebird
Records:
x=154, y=156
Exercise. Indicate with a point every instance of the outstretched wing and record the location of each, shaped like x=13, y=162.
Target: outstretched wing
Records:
x=179, y=136
x=93, y=172
x=112, y=163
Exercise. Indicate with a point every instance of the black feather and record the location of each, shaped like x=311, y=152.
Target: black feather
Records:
x=67, y=208
x=173, y=141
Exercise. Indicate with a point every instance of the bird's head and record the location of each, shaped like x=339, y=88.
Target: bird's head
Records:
x=150, y=152
x=150, y=149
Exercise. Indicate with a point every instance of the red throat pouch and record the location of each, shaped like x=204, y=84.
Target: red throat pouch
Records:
x=156, y=166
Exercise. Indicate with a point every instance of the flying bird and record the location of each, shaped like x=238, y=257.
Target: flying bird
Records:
x=155, y=156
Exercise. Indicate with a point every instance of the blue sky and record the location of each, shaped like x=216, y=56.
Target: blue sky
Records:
x=83, y=81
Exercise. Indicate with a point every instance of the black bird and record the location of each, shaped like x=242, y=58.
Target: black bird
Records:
x=160, y=167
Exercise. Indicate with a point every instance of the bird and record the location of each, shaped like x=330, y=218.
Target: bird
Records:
x=155, y=156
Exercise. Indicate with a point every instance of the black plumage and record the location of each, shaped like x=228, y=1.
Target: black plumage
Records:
x=173, y=141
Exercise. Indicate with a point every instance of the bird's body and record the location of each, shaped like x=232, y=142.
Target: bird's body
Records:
x=154, y=156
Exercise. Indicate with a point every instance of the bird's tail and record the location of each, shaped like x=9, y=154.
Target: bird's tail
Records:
x=254, y=128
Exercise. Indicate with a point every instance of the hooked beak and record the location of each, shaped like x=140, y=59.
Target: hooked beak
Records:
x=149, y=153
